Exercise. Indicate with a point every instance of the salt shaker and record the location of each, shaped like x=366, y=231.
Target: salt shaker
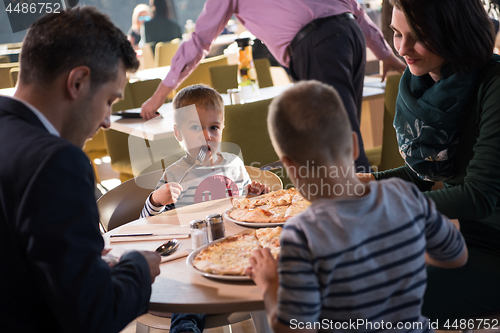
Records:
x=199, y=233
x=216, y=225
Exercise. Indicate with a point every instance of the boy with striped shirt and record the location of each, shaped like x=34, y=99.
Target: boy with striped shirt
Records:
x=355, y=260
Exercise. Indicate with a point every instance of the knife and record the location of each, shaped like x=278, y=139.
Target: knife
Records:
x=147, y=234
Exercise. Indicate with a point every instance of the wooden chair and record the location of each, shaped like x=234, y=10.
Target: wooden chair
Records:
x=14, y=74
x=5, y=81
x=246, y=126
x=164, y=51
x=388, y=153
x=225, y=77
x=265, y=177
x=124, y=203
x=4, y=59
x=201, y=73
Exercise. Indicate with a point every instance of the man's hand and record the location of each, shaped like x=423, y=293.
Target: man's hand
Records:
x=256, y=188
x=167, y=194
x=264, y=271
x=149, y=107
x=392, y=62
x=153, y=259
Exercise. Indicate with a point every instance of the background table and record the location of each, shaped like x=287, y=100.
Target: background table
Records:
x=163, y=127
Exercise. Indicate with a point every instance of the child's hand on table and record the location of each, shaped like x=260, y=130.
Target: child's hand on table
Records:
x=256, y=188
x=263, y=270
x=167, y=194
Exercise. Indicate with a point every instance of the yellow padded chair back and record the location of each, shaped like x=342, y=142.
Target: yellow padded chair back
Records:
x=127, y=102
x=14, y=74
x=263, y=69
x=164, y=51
x=201, y=73
x=246, y=126
x=390, y=158
x=5, y=81
x=4, y=59
x=142, y=90
x=224, y=77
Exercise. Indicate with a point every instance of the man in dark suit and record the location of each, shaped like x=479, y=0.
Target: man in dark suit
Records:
x=73, y=67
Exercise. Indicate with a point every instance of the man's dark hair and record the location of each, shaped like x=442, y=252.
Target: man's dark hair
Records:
x=82, y=36
x=459, y=31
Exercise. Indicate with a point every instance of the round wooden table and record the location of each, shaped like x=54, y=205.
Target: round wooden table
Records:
x=179, y=288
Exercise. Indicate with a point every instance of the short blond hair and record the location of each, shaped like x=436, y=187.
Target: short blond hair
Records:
x=308, y=122
x=200, y=95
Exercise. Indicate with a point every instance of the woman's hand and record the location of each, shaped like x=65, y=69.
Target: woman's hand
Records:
x=365, y=177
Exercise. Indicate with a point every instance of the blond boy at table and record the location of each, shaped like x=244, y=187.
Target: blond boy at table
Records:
x=199, y=122
x=355, y=260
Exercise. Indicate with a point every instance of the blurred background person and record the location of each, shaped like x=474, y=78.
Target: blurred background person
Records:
x=142, y=13
x=160, y=28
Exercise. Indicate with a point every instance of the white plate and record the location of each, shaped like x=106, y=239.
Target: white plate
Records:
x=190, y=264
x=249, y=224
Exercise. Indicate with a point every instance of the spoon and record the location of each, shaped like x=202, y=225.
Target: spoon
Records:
x=168, y=248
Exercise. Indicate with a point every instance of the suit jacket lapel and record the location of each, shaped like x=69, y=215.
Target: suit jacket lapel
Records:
x=10, y=105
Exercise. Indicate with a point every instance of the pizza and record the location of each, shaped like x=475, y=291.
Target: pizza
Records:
x=232, y=255
x=273, y=207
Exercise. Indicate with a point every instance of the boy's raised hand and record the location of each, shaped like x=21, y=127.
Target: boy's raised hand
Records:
x=167, y=194
x=256, y=188
x=263, y=270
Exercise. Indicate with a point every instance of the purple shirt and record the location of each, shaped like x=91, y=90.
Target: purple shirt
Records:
x=275, y=22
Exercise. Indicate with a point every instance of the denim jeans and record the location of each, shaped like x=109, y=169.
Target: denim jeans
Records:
x=187, y=322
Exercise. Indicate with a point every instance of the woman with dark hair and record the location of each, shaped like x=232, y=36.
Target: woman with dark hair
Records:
x=160, y=28
x=448, y=129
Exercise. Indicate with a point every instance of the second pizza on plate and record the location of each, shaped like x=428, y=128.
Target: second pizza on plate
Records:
x=277, y=206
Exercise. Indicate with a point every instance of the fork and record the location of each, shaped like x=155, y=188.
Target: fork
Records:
x=199, y=159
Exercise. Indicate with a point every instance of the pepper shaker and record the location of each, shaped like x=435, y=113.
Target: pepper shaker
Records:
x=199, y=233
x=216, y=225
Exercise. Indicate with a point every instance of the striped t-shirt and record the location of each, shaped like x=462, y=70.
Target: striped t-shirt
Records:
x=203, y=183
x=346, y=262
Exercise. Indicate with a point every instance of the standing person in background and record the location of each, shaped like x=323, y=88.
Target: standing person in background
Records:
x=448, y=129
x=142, y=13
x=160, y=28
x=316, y=40
x=73, y=67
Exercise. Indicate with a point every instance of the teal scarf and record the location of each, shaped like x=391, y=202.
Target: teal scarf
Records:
x=426, y=120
